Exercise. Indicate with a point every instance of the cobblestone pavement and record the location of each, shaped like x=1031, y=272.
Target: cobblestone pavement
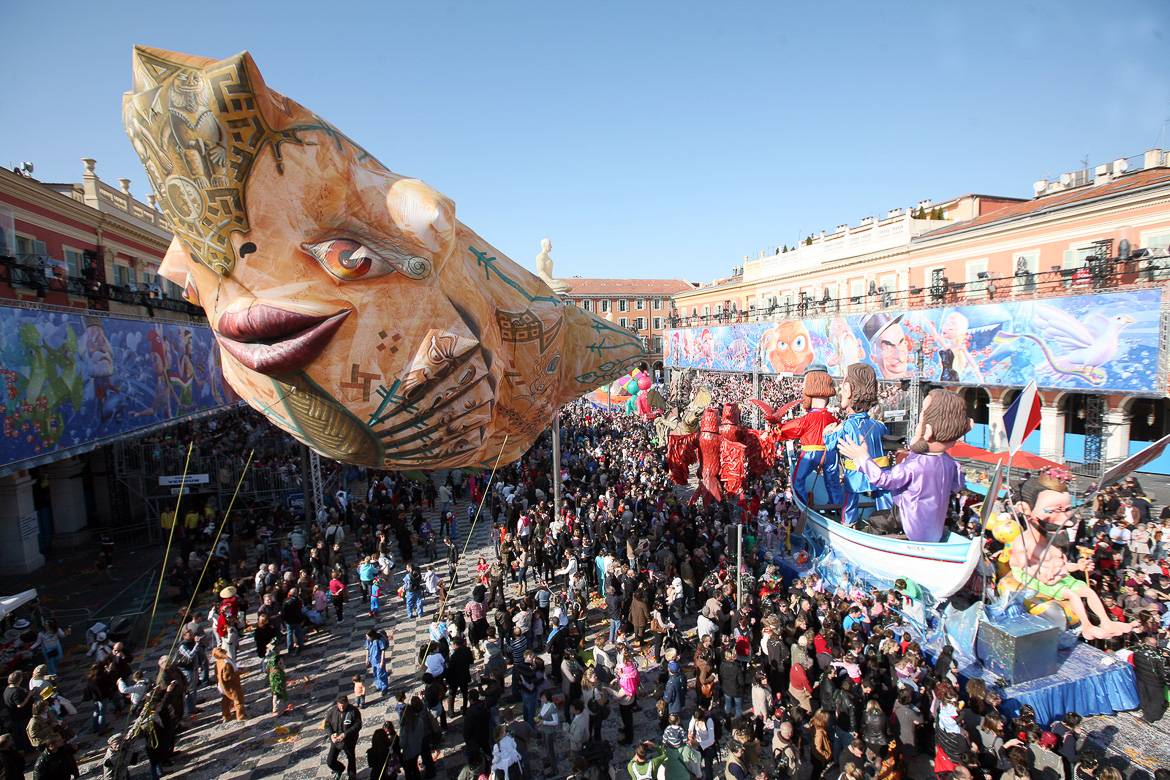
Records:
x=294, y=746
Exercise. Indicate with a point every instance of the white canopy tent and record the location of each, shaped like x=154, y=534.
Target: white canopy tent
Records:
x=9, y=604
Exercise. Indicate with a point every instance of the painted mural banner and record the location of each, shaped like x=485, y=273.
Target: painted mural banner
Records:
x=69, y=381
x=1106, y=342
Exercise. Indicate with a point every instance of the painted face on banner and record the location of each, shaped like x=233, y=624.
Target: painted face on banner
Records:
x=893, y=352
x=350, y=305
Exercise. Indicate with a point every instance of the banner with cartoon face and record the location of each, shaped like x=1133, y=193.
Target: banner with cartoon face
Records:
x=1106, y=342
x=70, y=382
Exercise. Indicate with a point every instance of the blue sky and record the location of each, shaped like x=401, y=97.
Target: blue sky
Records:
x=646, y=139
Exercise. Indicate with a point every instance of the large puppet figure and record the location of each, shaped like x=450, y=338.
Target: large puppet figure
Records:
x=809, y=430
x=351, y=305
x=858, y=393
x=921, y=486
x=1041, y=566
x=725, y=451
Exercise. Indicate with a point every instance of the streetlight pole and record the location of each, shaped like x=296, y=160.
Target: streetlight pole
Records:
x=739, y=566
x=556, y=455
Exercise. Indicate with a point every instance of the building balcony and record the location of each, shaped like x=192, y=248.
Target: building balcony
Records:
x=40, y=275
x=1112, y=274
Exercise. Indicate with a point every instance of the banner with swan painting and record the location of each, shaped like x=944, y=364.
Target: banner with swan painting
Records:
x=1107, y=342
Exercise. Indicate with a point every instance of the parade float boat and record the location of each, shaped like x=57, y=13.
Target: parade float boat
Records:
x=942, y=567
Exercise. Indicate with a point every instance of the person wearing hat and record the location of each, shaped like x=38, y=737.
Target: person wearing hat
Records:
x=809, y=429
x=674, y=693
x=889, y=345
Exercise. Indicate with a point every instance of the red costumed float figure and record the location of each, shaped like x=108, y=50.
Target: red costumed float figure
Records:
x=809, y=429
x=724, y=449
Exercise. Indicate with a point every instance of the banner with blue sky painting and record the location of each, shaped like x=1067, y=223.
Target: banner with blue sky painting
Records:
x=1106, y=342
x=70, y=381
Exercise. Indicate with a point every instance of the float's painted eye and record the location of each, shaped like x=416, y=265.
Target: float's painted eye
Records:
x=190, y=291
x=798, y=344
x=348, y=260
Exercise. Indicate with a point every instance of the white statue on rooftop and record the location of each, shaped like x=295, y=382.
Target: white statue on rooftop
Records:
x=544, y=268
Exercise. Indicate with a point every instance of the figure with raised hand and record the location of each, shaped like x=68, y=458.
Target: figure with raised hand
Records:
x=809, y=430
x=922, y=484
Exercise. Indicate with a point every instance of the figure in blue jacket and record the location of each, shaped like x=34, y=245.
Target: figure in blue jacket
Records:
x=858, y=393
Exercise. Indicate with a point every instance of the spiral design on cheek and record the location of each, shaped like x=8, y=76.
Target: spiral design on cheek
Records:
x=416, y=267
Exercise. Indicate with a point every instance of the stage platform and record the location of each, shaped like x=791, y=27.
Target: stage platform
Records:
x=1088, y=682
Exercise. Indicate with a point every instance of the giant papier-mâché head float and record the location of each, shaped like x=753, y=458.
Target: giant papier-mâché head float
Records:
x=350, y=304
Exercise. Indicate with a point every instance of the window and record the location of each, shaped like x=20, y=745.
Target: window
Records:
x=121, y=275
x=706, y=310
x=694, y=312
x=174, y=291
x=1074, y=257
x=657, y=322
x=976, y=278
x=74, y=261
x=1157, y=241
x=7, y=232
x=656, y=304
x=29, y=249
x=623, y=322
x=641, y=304
x=604, y=307
x=640, y=323
x=889, y=281
x=623, y=305
x=857, y=288
x=148, y=280
x=657, y=343
x=587, y=305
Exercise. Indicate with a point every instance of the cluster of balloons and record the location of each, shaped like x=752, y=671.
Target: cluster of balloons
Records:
x=631, y=383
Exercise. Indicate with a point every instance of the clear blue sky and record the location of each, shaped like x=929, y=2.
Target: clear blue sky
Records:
x=644, y=138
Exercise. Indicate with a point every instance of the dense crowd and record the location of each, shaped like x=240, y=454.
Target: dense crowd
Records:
x=628, y=599
x=775, y=390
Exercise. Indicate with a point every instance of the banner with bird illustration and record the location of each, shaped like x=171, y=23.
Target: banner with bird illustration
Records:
x=1107, y=342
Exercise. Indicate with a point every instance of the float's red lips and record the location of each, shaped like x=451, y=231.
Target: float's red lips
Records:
x=275, y=341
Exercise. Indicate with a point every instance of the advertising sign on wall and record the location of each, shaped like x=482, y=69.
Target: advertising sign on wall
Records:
x=70, y=380
x=1106, y=342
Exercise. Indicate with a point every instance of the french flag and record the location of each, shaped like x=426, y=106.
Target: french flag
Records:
x=1022, y=417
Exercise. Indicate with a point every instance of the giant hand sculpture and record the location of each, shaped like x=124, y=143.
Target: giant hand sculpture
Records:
x=351, y=306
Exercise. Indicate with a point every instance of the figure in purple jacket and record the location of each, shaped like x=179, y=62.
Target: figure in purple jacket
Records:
x=922, y=484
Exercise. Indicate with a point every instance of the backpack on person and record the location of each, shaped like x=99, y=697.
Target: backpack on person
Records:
x=788, y=761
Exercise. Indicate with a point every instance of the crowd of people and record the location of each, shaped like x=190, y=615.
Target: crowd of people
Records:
x=627, y=607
